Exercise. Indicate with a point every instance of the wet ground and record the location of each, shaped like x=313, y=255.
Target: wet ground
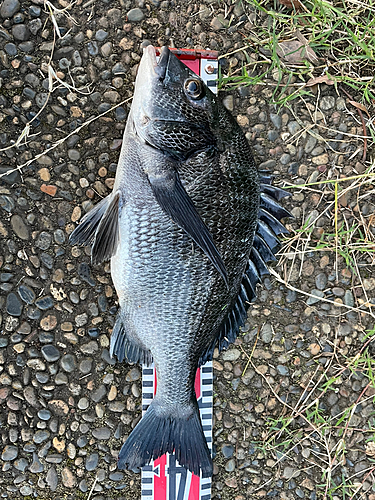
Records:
x=294, y=398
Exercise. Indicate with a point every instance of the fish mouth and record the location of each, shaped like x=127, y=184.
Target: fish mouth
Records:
x=149, y=62
x=162, y=66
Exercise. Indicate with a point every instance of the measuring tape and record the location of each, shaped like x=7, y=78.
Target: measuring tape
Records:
x=165, y=478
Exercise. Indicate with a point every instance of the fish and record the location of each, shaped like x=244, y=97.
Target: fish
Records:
x=189, y=228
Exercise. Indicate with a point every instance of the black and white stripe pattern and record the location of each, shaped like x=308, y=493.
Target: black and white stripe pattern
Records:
x=205, y=402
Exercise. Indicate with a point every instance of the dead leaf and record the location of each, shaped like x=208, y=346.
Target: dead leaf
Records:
x=360, y=106
x=292, y=4
x=320, y=79
x=295, y=52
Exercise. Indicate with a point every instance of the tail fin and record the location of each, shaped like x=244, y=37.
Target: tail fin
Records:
x=157, y=434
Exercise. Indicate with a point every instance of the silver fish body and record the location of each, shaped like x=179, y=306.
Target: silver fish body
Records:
x=179, y=228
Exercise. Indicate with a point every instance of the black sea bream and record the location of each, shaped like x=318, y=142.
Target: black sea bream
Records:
x=188, y=227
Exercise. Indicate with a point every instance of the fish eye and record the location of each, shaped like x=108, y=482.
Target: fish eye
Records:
x=194, y=88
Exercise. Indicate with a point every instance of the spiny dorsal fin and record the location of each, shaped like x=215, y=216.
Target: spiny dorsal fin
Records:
x=264, y=247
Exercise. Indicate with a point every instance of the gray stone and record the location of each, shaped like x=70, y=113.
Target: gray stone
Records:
x=84, y=272
x=83, y=403
x=102, y=433
x=44, y=414
x=21, y=464
x=41, y=436
x=41, y=99
x=227, y=450
x=85, y=365
x=348, y=298
x=36, y=465
x=44, y=240
x=294, y=127
x=34, y=10
x=59, y=236
x=9, y=178
x=6, y=202
x=90, y=347
x=83, y=486
x=54, y=458
x=5, y=277
x=276, y=120
x=93, y=48
x=50, y=353
x=285, y=158
x=82, y=441
x=98, y=394
x=26, y=294
x=9, y=8
x=11, y=50
x=52, y=479
x=68, y=363
x=81, y=320
x=26, y=490
x=321, y=281
x=230, y=465
x=91, y=461
x=283, y=370
x=327, y=102
x=30, y=395
x=74, y=154
x=13, y=305
x=290, y=472
x=344, y=329
x=219, y=22
x=231, y=355
x=44, y=303
x=35, y=25
x=135, y=15
x=228, y=102
x=272, y=135
x=267, y=333
x=76, y=58
x=21, y=32
x=318, y=294
x=61, y=379
x=101, y=35
x=9, y=453
x=133, y=375
x=114, y=17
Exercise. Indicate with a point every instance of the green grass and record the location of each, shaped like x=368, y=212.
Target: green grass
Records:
x=330, y=434
x=341, y=34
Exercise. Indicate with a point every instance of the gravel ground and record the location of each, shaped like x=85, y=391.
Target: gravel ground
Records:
x=66, y=406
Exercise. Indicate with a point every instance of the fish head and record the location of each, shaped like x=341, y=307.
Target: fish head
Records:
x=173, y=110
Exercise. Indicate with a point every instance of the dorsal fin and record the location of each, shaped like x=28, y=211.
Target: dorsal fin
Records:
x=265, y=245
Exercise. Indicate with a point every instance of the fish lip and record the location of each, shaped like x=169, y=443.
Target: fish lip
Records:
x=162, y=65
x=149, y=59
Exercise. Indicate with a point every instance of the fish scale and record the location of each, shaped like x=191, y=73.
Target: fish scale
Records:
x=187, y=250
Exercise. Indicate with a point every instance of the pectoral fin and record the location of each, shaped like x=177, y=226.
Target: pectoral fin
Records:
x=99, y=228
x=107, y=234
x=84, y=233
x=176, y=203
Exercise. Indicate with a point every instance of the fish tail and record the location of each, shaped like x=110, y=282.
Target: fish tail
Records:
x=158, y=433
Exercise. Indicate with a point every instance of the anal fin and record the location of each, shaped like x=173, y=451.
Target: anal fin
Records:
x=124, y=346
